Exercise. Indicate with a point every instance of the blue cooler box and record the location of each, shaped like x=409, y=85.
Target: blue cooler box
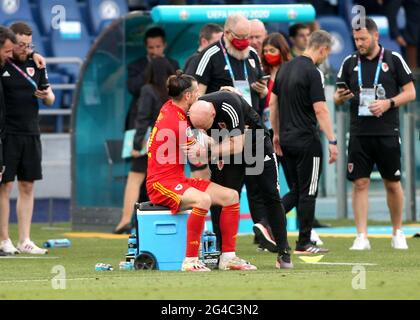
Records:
x=162, y=235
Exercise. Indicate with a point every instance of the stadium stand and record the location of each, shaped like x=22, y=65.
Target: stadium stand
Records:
x=103, y=12
x=384, y=38
x=12, y=10
x=343, y=44
x=46, y=12
x=70, y=44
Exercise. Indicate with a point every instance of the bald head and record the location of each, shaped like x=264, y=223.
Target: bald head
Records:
x=202, y=114
x=257, y=35
x=238, y=24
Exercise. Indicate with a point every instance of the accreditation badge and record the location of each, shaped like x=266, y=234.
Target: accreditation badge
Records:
x=367, y=96
x=243, y=87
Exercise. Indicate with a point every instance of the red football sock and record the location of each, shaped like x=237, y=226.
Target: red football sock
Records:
x=229, y=224
x=195, y=226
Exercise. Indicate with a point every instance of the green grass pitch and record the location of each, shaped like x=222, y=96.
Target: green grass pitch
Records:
x=396, y=274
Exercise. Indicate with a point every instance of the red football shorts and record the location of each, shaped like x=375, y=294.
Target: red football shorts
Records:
x=168, y=192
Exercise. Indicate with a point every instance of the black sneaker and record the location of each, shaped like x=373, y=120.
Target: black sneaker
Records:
x=284, y=261
x=126, y=229
x=256, y=240
x=318, y=224
x=264, y=237
x=3, y=254
x=309, y=248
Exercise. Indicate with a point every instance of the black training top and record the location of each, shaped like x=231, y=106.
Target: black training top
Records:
x=229, y=112
x=394, y=73
x=192, y=63
x=213, y=71
x=230, y=108
x=21, y=116
x=2, y=110
x=298, y=86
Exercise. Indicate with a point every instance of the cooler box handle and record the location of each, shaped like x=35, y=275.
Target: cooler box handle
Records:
x=165, y=227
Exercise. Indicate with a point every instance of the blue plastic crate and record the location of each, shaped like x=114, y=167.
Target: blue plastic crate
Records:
x=162, y=235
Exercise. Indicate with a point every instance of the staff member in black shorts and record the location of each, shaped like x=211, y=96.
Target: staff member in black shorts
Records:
x=228, y=114
x=23, y=85
x=374, y=77
x=7, y=42
x=297, y=107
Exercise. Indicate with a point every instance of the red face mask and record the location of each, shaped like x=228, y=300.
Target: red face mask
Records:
x=273, y=59
x=240, y=44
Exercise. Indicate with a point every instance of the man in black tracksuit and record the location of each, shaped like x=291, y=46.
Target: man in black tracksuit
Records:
x=233, y=113
x=299, y=89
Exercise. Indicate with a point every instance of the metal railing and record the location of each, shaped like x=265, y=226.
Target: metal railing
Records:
x=61, y=86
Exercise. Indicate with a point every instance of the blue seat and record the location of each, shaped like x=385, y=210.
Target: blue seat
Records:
x=70, y=46
x=103, y=12
x=344, y=10
x=384, y=37
x=343, y=43
x=15, y=10
x=50, y=10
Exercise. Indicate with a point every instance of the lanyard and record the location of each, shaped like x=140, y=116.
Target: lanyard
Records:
x=378, y=69
x=230, y=67
x=32, y=82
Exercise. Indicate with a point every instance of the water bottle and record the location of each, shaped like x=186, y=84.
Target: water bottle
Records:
x=211, y=242
x=204, y=241
x=125, y=265
x=57, y=243
x=103, y=267
x=380, y=92
x=209, y=253
x=132, y=245
x=132, y=248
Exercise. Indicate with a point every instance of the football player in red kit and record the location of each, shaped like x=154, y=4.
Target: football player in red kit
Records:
x=171, y=139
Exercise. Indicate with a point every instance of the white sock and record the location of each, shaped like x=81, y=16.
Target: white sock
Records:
x=190, y=259
x=227, y=255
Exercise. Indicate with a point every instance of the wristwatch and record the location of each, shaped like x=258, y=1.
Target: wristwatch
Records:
x=392, y=103
x=333, y=142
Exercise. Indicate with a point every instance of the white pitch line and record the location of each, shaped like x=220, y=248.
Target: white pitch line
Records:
x=343, y=263
x=14, y=257
x=43, y=280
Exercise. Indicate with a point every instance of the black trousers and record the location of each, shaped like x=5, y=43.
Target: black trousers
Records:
x=302, y=168
x=232, y=176
x=268, y=187
x=255, y=201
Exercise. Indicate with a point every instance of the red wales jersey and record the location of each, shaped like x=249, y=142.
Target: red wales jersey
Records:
x=172, y=129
